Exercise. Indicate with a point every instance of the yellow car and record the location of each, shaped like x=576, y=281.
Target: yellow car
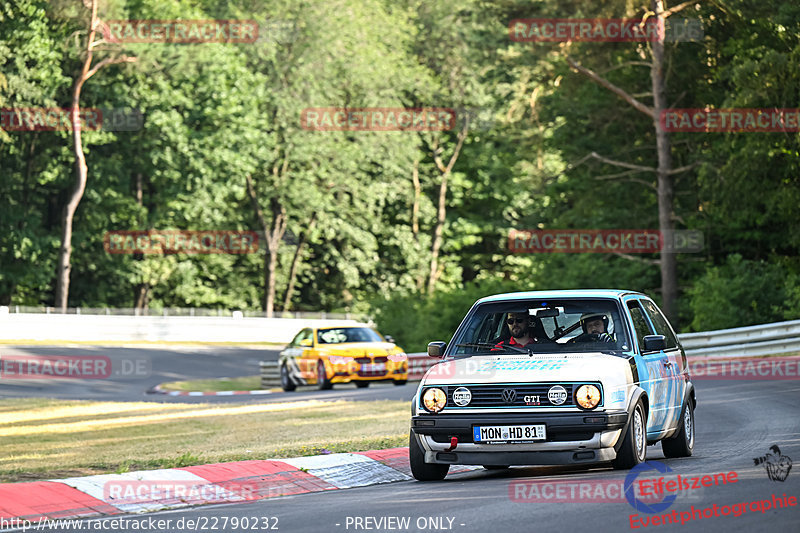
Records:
x=343, y=354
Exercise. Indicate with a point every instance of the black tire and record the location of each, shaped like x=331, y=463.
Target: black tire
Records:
x=323, y=383
x=682, y=443
x=634, y=446
x=286, y=381
x=362, y=384
x=399, y=382
x=495, y=467
x=421, y=470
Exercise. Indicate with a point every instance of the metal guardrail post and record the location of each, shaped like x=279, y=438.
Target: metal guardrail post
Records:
x=270, y=374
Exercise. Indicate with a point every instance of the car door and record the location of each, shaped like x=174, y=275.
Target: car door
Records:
x=654, y=372
x=290, y=356
x=307, y=357
x=676, y=362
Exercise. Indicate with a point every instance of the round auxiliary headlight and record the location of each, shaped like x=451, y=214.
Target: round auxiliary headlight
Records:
x=587, y=396
x=434, y=400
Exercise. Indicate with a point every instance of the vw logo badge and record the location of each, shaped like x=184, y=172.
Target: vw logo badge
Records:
x=462, y=396
x=509, y=395
x=557, y=395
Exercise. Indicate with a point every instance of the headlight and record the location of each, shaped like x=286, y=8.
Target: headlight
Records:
x=434, y=400
x=335, y=360
x=587, y=396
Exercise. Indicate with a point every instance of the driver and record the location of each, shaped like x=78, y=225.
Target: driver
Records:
x=595, y=329
x=523, y=331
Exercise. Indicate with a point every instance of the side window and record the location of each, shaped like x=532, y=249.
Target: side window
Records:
x=639, y=323
x=660, y=323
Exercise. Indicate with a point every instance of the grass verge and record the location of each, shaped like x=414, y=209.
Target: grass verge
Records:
x=215, y=385
x=45, y=439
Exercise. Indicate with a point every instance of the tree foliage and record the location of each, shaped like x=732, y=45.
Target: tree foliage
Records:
x=218, y=113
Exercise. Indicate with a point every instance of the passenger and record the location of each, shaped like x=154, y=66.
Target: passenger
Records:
x=595, y=329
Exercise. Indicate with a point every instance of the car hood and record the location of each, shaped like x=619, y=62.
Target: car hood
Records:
x=611, y=370
x=357, y=349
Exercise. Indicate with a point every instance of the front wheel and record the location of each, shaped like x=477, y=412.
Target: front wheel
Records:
x=362, y=384
x=399, y=382
x=421, y=470
x=682, y=443
x=323, y=383
x=286, y=381
x=634, y=446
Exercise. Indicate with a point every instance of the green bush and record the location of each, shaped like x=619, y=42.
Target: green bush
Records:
x=414, y=320
x=744, y=292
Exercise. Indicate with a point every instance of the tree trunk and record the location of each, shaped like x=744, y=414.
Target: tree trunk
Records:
x=141, y=292
x=298, y=254
x=68, y=215
x=420, y=276
x=270, y=264
x=664, y=171
x=273, y=233
x=441, y=217
x=64, y=265
x=668, y=263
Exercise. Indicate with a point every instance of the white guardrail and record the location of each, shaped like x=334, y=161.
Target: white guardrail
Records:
x=766, y=339
x=120, y=328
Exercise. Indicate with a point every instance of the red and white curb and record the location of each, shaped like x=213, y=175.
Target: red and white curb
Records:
x=242, y=481
x=158, y=390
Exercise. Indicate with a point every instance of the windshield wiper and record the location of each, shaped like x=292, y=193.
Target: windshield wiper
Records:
x=494, y=346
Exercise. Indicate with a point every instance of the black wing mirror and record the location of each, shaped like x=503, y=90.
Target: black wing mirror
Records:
x=654, y=343
x=389, y=338
x=436, y=348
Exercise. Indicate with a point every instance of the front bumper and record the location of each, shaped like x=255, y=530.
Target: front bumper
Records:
x=572, y=438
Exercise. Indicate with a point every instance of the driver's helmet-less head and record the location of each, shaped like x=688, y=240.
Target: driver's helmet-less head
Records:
x=588, y=317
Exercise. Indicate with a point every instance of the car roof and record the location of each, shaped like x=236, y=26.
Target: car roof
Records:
x=573, y=293
x=335, y=325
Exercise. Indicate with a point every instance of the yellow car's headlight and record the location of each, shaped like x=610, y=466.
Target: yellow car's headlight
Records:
x=434, y=400
x=587, y=396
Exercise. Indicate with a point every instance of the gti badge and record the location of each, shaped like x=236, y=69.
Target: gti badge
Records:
x=557, y=395
x=462, y=396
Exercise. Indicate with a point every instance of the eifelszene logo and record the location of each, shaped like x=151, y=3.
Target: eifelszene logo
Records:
x=775, y=463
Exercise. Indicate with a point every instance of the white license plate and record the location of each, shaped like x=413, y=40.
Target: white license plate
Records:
x=489, y=434
x=373, y=367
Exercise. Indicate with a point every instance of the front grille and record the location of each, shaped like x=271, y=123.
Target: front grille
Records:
x=371, y=373
x=380, y=359
x=492, y=395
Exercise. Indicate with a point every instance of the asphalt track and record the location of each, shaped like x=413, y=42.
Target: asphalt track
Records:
x=136, y=370
x=736, y=421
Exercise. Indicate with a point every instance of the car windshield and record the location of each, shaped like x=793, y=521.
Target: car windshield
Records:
x=543, y=326
x=340, y=335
